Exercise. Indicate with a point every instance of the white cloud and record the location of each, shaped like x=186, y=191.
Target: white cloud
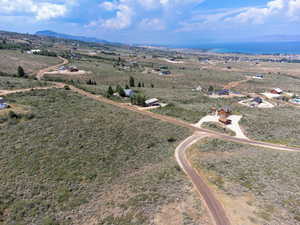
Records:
x=40, y=10
x=122, y=19
x=286, y=9
x=126, y=10
x=152, y=24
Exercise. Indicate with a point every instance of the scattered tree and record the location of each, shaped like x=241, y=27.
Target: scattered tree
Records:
x=152, y=85
x=126, y=87
x=131, y=82
x=21, y=72
x=91, y=82
x=121, y=91
x=138, y=99
x=139, y=84
x=109, y=92
x=210, y=89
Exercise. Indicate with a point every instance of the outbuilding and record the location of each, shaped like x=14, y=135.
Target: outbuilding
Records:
x=152, y=102
x=225, y=121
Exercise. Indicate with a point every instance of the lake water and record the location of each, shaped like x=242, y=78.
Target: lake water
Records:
x=251, y=48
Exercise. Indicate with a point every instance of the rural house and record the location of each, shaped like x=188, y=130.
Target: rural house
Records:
x=223, y=92
x=128, y=92
x=167, y=72
x=257, y=100
x=276, y=91
x=3, y=105
x=224, y=112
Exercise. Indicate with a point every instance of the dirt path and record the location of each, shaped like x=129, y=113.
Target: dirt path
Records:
x=8, y=92
x=236, y=83
x=215, y=207
x=41, y=72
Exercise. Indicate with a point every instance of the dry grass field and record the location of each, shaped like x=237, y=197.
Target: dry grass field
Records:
x=256, y=186
x=77, y=161
x=11, y=59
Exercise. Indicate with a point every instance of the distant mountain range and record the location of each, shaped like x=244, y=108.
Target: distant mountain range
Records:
x=50, y=33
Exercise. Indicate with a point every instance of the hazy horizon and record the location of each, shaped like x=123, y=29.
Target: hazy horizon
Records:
x=155, y=21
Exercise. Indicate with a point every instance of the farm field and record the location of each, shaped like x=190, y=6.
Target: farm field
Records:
x=79, y=161
x=255, y=185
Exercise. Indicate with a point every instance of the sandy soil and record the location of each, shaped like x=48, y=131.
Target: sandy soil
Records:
x=263, y=105
x=234, y=126
x=66, y=72
x=226, y=96
x=174, y=62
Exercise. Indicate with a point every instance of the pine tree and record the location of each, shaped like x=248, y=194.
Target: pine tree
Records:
x=131, y=82
x=21, y=72
x=139, y=84
x=126, y=87
x=121, y=91
x=109, y=92
x=210, y=89
x=152, y=85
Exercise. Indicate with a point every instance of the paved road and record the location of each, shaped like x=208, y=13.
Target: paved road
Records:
x=215, y=207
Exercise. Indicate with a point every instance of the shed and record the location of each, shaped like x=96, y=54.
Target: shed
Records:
x=128, y=92
x=225, y=121
x=152, y=102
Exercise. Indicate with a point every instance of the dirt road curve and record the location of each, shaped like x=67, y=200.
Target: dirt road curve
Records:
x=215, y=207
x=41, y=72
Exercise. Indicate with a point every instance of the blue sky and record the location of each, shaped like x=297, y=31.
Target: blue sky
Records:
x=177, y=22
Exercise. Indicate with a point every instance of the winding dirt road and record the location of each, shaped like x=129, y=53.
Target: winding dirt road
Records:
x=215, y=207
x=41, y=72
